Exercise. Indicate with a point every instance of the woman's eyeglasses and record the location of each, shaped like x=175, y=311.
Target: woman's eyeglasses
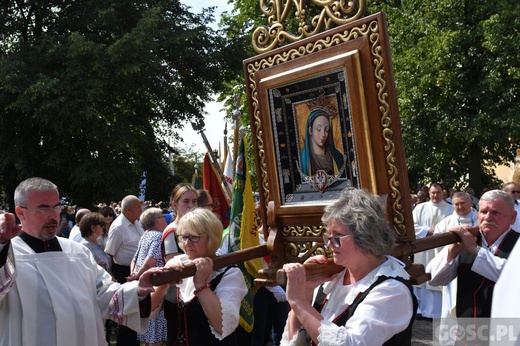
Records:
x=102, y=224
x=335, y=240
x=209, y=206
x=183, y=238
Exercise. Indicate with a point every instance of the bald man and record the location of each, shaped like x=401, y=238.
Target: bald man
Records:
x=123, y=239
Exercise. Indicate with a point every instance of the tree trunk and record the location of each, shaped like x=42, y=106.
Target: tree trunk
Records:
x=10, y=176
x=475, y=168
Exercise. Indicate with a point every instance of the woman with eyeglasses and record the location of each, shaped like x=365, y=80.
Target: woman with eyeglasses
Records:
x=183, y=198
x=370, y=302
x=204, y=199
x=203, y=309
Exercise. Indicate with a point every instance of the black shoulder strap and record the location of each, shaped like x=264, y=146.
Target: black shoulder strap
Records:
x=342, y=320
x=507, y=245
x=218, y=278
x=402, y=339
x=320, y=299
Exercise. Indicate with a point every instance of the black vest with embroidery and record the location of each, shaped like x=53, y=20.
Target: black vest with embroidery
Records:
x=403, y=338
x=475, y=292
x=187, y=323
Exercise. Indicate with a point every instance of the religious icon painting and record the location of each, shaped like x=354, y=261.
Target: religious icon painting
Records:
x=316, y=113
x=323, y=115
x=312, y=122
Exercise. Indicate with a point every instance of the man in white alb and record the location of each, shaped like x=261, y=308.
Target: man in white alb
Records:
x=52, y=292
x=425, y=217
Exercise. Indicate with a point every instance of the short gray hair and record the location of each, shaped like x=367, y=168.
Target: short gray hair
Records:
x=21, y=193
x=459, y=194
x=128, y=202
x=364, y=215
x=507, y=186
x=496, y=194
x=149, y=216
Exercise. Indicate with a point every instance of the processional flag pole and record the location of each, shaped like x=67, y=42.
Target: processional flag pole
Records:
x=198, y=126
x=236, y=139
x=226, y=151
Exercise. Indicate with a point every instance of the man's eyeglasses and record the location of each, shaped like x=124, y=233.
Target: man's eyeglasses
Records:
x=335, y=240
x=102, y=224
x=183, y=238
x=515, y=191
x=46, y=209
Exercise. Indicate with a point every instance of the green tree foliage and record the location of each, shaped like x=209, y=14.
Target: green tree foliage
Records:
x=89, y=89
x=457, y=73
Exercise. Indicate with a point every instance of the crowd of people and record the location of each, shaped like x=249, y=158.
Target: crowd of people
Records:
x=495, y=215
x=126, y=243
x=98, y=282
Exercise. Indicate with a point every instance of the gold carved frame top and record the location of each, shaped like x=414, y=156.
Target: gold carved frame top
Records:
x=276, y=33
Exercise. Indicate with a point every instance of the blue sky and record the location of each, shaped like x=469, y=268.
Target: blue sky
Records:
x=214, y=120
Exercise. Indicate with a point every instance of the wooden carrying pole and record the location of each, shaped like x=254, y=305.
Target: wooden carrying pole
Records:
x=313, y=270
x=218, y=262
x=316, y=270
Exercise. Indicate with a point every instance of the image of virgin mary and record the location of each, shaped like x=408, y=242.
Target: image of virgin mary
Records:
x=319, y=152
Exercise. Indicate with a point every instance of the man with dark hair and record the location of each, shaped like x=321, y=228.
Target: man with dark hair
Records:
x=422, y=197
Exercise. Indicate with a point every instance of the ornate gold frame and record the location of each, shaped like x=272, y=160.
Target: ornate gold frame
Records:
x=383, y=152
x=336, y=77
x=332, y=12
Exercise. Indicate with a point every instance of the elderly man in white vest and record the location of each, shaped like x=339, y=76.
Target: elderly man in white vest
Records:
x=478, y=259
x=463, y=214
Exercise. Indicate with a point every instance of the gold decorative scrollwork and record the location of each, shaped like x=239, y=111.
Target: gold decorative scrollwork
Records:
x=311, y=242
x=303, y=231
x=259, y=135
x=386, y=124
x=276, y=33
